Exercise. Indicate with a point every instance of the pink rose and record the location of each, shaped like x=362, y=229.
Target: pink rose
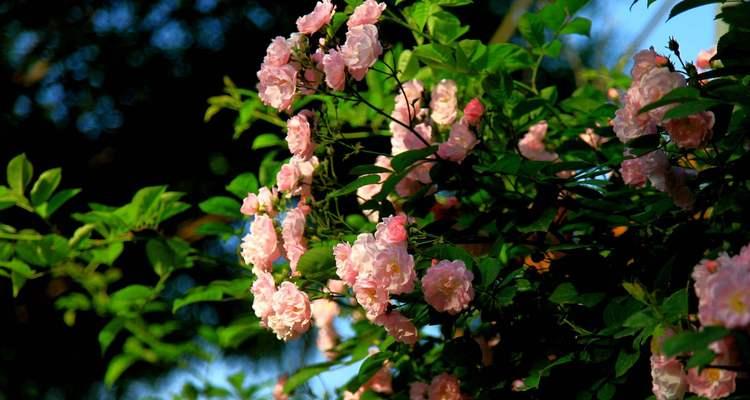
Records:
x=363, y=254
x=293, y=234
x=336, y=286
x=394, y=268
x=318, y=18
x=261, y=247
x=632, y=172
x=334, y=68
x=345, y=269
x=692, y=131
x=249, y=205
x=278, y=52
x=324, y=311
x=473, y=112
x=306, y=168
x=656, y=166
x=392, y=230
x=404, y=139
x=628, y=123
x=668, y=378
x=297, y=42
x=447, y=286
x=459, y=144
x=444, y=102
x=716, y=383
x=291, y=312
x=644, y=61
x=278, y=389
x=593, y=139
x=372, y=296
x=444, y=387
x=418, y=391
x=410, y=95
x=361, y=50
x=263, y=289
x=724, y=297
x=366, y=13
x=277, y=85
x=704, y=58
x=288, y=179
x=654, y=85
x=532, y=144
x=408, y=187
x=381, y=382
x=266, y=200
x=298, y=135
x=398, y=326
x=326, y=341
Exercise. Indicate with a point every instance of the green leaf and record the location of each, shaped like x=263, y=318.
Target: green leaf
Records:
x=531, y=27
x=690, y=108
x=19, y=273
x=47, y=209
x=108, y=334
x=352, y=187
x=507, y=57
x=641, y=319
x=541, y=224
x=7, y=197
x=266, y=140
x=686, y=5
x=685, y=342
x=625, y=361
x=233, y=335
x=19, y=172
x=221, y=205
x=50, y=250
x=316, y=263
x=489, y=268
x=606, y=392
x=445, y=27
x=676, y=306
x=198, y=294
x=243, y=184
x=701, y=358
x=578, y=26
x=45, y=185
x=369, y=367
x=305, y=374
x=119, y=364
x=678, y=95
x=133, y=295
x=533, y=380
x=404, y=160
x=368, y=169
x=565, y=293
x=450, y=252
x=636, y=290
x=408, y=66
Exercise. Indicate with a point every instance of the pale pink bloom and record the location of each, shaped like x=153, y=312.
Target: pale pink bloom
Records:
x=261, y=246
x=654, y=85
x=628, y=123
x=398, y=326
x=392, y=230
x=277, y=85
x=293, y=234
x=291, y=312
x=278, y=389
x=297, y=42
x=335, y=70
x=361, y=50
x=288, y=179
x=266, y=200
x=668, y=378
x=263, y=289
x=249, y=205
x=656, y=166
x=354, y=396
x=381, y=382
x=473, y=112
x=459, y=144
x=326, y=341
x=307, y=170
x=447, y=286
x=313, y=76
x=518, y=385
x=444, y=103
x=372, y=296
x=632, y=172
x=404, y=139
x=421, y=171
x=644, y=61
x=704, y=58
x=727, y=298
x=418, y=391
x=318, y=18
x=532, y=144
x=364, y=251
x=278, y=52
x=299, y=136
x=345, y=269
x=394, y=268
x=692, y=131
x=715, y=383
x=366, y=13
x=324, y=311
x=410, y=94
x=336, y=286
x=408, y=187
x=593, y=139
x=444, y=387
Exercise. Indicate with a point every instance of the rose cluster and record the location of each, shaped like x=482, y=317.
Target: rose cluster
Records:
x=443, y=387
x=414, y=127
x=653, y=78
x=291, y=67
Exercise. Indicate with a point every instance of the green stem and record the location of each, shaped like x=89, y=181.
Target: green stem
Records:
x=271, y=119
x=20, y=236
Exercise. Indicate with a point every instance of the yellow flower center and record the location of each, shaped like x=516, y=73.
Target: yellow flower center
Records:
x=712, y=374
x=737, y=304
